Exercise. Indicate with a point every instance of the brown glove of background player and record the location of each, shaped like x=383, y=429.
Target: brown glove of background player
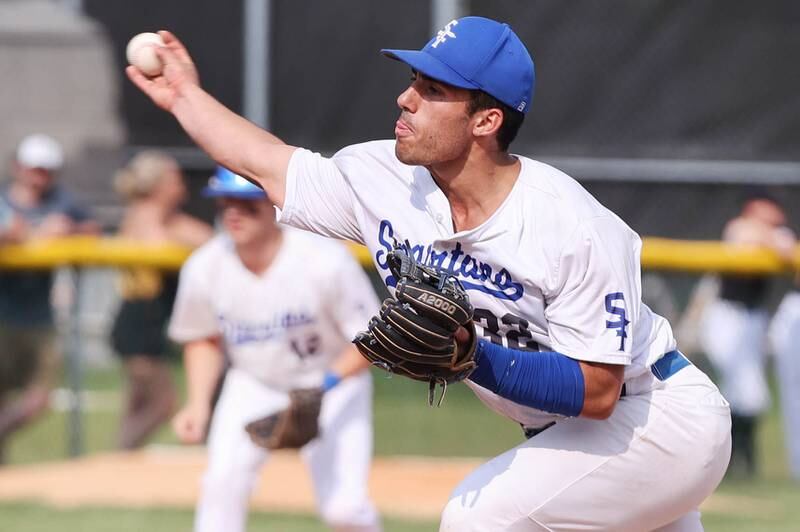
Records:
x=292, y=427
x=298, y=424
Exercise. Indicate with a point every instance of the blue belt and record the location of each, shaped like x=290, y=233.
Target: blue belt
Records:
x=668, y=365
x=665, y=367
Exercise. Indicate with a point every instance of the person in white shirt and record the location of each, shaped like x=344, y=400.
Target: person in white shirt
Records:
x=625, y=433
x=784, y=335
x=740, y=310
x=281, y=306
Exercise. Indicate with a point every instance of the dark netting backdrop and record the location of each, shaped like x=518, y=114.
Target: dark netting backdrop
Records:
x=708, y=79
x=627, y=79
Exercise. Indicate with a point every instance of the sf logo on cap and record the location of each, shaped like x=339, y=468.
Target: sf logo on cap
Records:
x=444, y=33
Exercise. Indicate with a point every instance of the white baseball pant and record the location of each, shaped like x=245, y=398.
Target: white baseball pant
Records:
x=735, y=339
x=647, y=467
x=339, y=460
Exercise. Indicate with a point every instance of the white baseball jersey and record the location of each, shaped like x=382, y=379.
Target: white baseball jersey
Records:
x=551, y=269
x=285, y=326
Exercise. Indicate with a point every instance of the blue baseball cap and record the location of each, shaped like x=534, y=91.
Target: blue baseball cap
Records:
x=225, y=183
x=477, y=53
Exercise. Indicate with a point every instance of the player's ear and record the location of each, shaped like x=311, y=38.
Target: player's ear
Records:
x=487, y=122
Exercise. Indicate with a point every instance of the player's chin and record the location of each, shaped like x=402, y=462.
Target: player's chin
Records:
x=237, y=234
x=405, y=153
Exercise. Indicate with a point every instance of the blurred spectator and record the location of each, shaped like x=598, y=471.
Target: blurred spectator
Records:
x=153, y=188
x=12, y=226
x=784, y=334
x=734, y=327
x=36, y=207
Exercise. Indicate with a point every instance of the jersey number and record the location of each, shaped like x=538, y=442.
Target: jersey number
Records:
x=514, y=328
x=306, y=347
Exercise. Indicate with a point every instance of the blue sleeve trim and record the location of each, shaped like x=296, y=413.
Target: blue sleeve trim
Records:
x=545, y=380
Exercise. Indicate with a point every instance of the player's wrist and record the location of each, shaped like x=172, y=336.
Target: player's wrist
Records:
x=198, y=407
x=330, y=380
x=189, y=98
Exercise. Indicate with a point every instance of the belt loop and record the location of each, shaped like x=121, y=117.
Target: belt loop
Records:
x=668, y=365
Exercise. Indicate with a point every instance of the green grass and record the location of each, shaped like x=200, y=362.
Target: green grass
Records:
x=462, y=426
x=766, y=504
x=404, y=424
x=28, y=517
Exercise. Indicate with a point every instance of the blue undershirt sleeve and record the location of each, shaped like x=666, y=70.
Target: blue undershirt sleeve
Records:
x=545, y=380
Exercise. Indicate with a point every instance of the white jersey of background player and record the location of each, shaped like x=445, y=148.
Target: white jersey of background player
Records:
x=282, y=305
x=739, y=355
x=548, y=267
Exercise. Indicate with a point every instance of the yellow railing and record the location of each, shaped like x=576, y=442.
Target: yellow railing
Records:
x=700, y=256
x=90, y=251
x=657, y=254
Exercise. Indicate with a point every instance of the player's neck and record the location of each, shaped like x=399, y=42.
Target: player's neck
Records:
x=258, y=255
x=476, y=185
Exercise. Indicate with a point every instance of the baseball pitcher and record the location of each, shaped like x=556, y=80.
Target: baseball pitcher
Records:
x=505, y=274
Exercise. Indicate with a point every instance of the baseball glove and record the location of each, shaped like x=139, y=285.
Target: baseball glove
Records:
x=293, y=427
x=415, y=333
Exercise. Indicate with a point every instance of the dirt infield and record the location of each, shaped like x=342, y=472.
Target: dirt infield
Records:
x=167, y=476
x=405, y=487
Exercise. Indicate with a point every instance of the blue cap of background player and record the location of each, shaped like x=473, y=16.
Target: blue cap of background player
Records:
x=477, y=53
x=225, y=183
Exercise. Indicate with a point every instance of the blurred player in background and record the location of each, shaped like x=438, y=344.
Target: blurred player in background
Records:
x=282, y=306
x=625, y=433
x=784, y=333
x=40, y=209
x=153, y=189
x=734, y=326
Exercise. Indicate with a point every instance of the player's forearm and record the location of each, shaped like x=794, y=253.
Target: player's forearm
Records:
x=603, y=385
x=233, y=141
x=203, y=362
x=548, y=381
x=349, y=363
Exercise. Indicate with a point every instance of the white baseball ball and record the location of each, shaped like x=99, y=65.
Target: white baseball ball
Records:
x=141, y=53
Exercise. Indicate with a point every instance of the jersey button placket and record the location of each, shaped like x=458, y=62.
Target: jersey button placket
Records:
x=439, y=219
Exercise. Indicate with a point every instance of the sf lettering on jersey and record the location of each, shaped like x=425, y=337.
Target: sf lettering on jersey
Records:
x=617, y=309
